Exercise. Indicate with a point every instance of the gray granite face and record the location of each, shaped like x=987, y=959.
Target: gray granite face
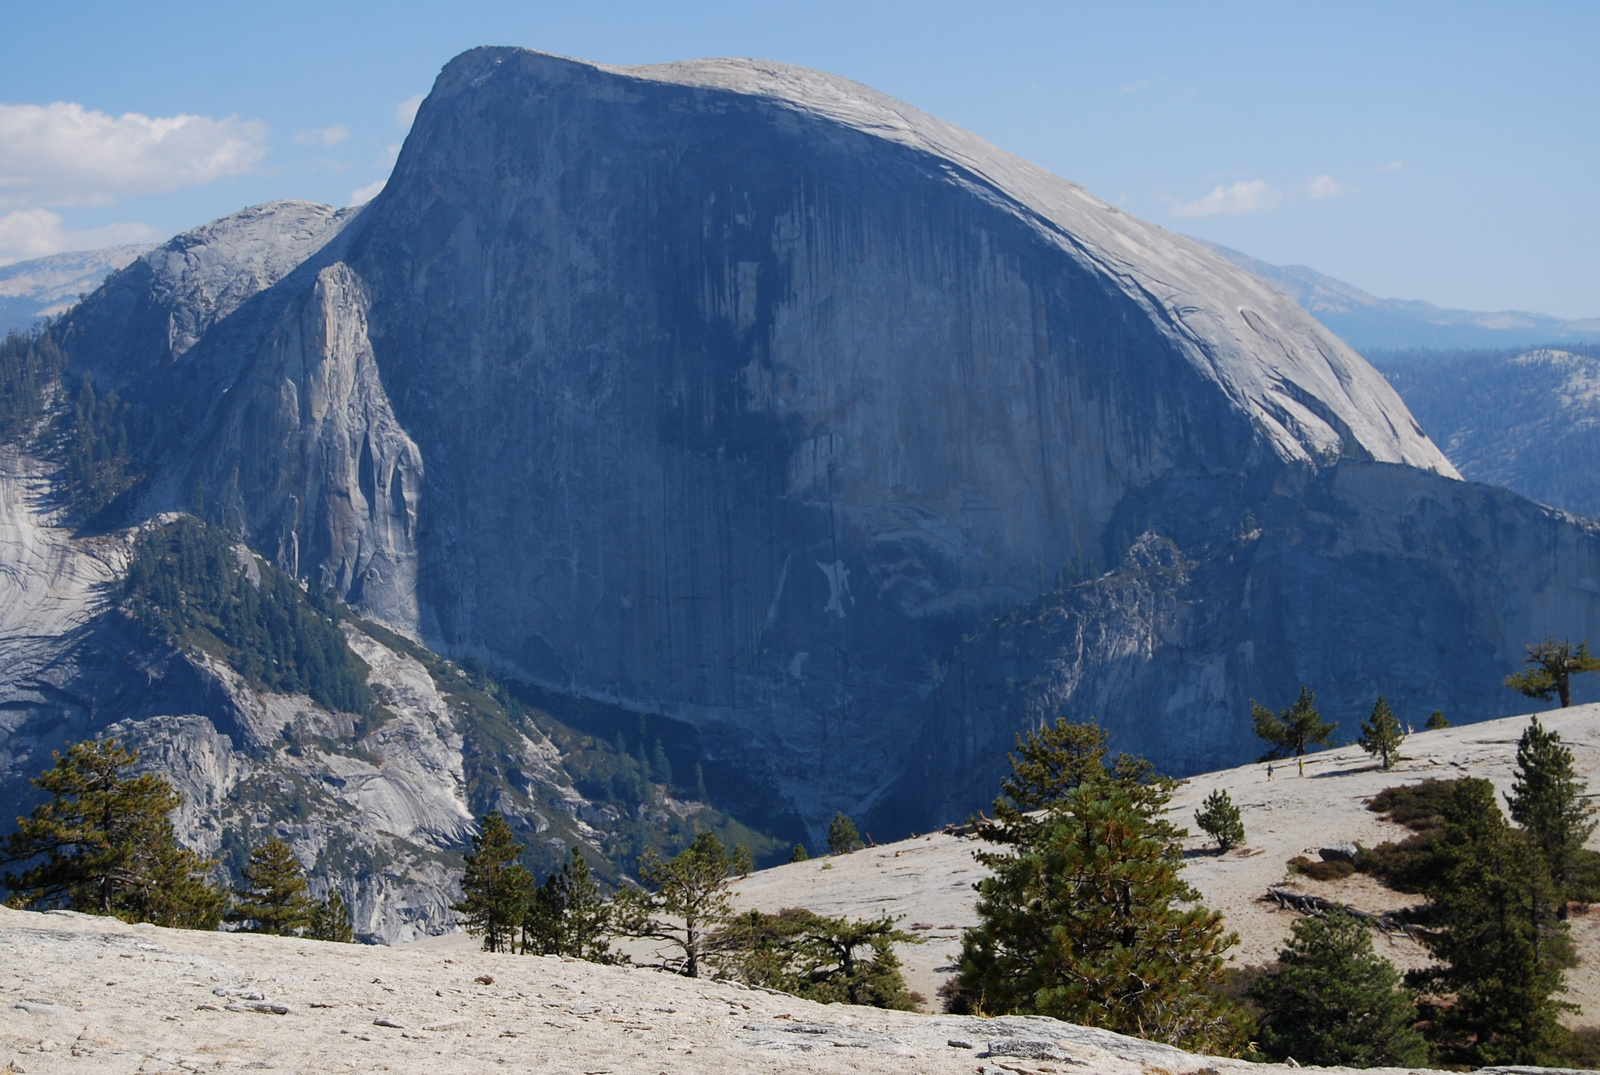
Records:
x=745, y=395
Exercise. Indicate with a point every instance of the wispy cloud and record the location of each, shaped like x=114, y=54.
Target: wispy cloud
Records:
x=367, y=193
x=1245, y=196
x=1324, y=186
x=35, y=233
x=323, y=136
x=1393, y=166
x=406, y=111
x=64, y=154
x=1135, y=87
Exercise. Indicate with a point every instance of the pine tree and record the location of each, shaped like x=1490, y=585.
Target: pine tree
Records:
x=1548, y=800
x=1219, y=819
x=1501, y=947
x=104, y=844
x=178, y=892
x=496, y=888
x=1050, y=763
x=660, y=765
x=828, y=960
x=1053, y=761
x=684, y=901
x=799, y=854
x=568, y=916
x=1334, y=1002
x=1437, y=721
x=1551, y=666
x=1291, y=731
x=1082, y=921
x=842, y=835
x=330, y=920
x=1381, y=736
x=274, y=897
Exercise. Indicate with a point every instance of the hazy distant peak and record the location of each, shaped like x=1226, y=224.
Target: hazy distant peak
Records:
x=1368, y=322
x=44, y=287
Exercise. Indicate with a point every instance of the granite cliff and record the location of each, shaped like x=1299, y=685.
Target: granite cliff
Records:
x=745, y=396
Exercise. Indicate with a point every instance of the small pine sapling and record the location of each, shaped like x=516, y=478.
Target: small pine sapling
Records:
x=1219, y=819
x=842, y=836
x=1381, y=735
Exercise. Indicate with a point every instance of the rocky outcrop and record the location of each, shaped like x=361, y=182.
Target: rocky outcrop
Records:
x=379, y=806
x=310, y=459
x=744, y=395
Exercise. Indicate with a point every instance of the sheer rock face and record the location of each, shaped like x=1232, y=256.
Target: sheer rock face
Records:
x=749, y=396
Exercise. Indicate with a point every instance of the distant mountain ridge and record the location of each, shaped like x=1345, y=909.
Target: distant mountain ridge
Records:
x=44, y=287
x=1365, y=321
x=1528, y=421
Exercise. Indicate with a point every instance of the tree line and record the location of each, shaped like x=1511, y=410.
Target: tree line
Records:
x=1085, y=916
x=684, y=906
x=103, y=844
x=188, y=580
x=89, y=435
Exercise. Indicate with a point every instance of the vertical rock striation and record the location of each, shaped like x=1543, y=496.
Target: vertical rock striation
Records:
x=745, y=395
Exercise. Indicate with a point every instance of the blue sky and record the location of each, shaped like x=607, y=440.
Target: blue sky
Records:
x=1447, y=152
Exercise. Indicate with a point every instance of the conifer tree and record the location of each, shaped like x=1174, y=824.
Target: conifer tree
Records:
x=103, y=844
x=1548, y=800
x=1219, y=819
x=684, y=901
x=799, y=854
x=1381, y=735
x=496, y=888
x=568, y=916
x=274, y=897
x=828, y=960
x=178, y=891
x=842, y=835
x=1050, y=763
x=1550, y=668
x=1082, y=921
x=1334, y=1002
x=1291, y=731
x=1501, y=947
x=1054, y=760
x=330, y=920
x=1437, y=721
x=660, y=765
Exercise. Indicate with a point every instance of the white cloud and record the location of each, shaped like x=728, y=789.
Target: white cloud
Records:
x=1324, y=186
x=366, y=193
x=1245, y=196
x=1393, y=166
x=65, y=154
x=325, y=136
x=406, y=111
x=1135, y=87
x=35, y=233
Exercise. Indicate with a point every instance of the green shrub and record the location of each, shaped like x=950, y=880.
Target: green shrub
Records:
x=1337, y=870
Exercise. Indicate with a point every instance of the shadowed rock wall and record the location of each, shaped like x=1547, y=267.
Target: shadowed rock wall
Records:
x=748, y=396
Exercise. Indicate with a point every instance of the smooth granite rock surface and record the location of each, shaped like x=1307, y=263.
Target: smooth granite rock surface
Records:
x=748, y=396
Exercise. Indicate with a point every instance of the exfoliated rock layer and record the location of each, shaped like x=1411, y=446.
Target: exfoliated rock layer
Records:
x=744, y=395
